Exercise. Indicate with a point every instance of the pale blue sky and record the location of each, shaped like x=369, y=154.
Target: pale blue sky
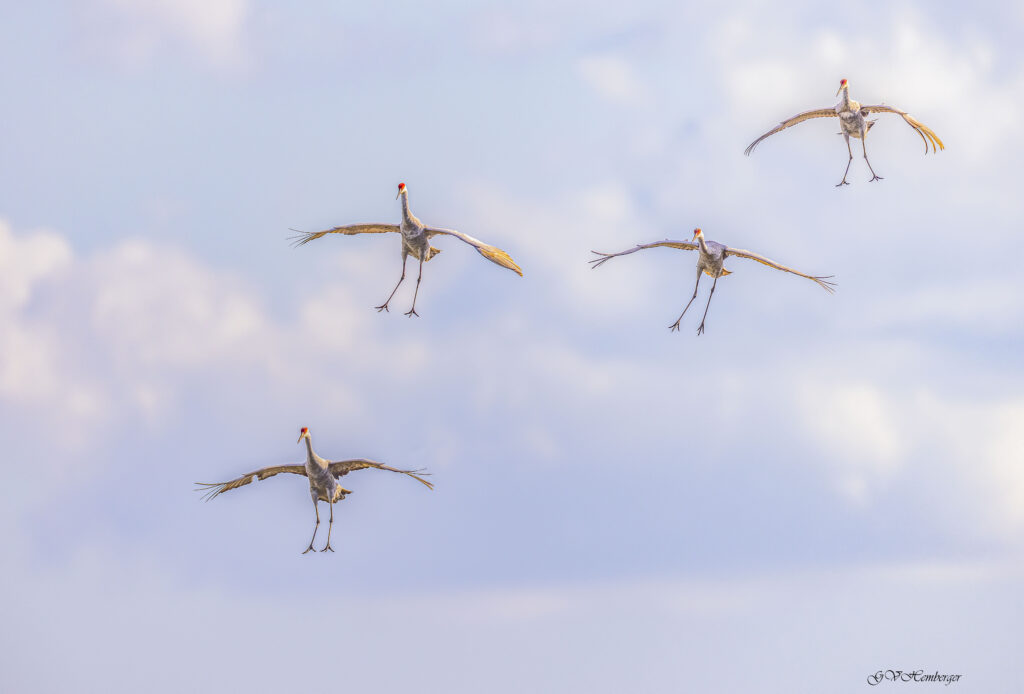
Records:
x=817, y=488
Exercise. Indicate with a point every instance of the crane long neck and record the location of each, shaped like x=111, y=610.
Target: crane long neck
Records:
x=406, y=214
x=703, y=244
x=310, y=455
x=844, y=97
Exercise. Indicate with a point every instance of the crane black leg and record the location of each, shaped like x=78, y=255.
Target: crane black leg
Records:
x=843, y=182
x=330, y=525
x=316, y=506
x=863, y=144
x=675, y=326
x=701, y=328
x=384, y=306
x=412, y=312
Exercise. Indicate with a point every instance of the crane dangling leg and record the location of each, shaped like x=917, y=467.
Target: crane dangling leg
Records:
x=864, y=146
x=843, y=182
x=316, y=506
x=384, y=306
x=412, y=312
x=675, y=326
x=701, y=328
x=330, y=525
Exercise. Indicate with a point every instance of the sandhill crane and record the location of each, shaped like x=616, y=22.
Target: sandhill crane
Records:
x=710, y=262
x=322, y=475
x=415, y=242
x=853, y=123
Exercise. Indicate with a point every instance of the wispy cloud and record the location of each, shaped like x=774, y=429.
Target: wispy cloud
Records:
x=613, y=78
x=213, y=29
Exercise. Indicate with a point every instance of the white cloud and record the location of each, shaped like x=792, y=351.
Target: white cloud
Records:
x=722, y=628
x=88, y=340
x=982, y=305
x=903, y=62
x=28, y=346
x=25, y=261
x=600, y=217
x=858, y=428
x=157, y=305
x=875, y=436
x=213, y=28
x=125, y=331
x=613, y=79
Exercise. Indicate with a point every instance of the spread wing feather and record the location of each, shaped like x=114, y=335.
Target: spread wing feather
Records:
x=341, y=468
x=213, y=489
x=798, y=118
x=605, y=257
x=926, y=133
x=492, y=253
x=822, y=281
x=303, y=237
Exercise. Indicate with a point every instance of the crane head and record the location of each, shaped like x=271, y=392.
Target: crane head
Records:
x=842, y=86
x=401, y=189
x=304, y=434
x=697, y=233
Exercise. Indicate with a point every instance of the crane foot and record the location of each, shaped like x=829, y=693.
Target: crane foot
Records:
x=875, y=177
x=412, y=312
x=310, y=548
x=674, y=327
x=843, y=182
x=383, y=307
x=700, y=330
x=327, y=547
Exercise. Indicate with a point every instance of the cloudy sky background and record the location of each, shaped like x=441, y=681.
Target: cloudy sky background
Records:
x=817, y=488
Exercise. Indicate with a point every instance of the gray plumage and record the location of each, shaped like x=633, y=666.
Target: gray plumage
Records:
x=711, y=262
x=323, y=477
x=416, y=238
x=853, y=123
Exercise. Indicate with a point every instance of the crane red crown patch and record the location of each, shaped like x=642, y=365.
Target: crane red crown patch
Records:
x=401, y=186
x=305, y=430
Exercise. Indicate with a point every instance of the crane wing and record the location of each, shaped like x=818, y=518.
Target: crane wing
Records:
x=303, y=237
x=341, y=468
x=605, y=257
x=821, y=280
x=798, y=118
x=492, y=253
x=926, y=133
x=212, y=489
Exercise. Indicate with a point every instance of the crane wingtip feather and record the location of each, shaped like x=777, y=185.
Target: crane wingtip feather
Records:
x=500, y=257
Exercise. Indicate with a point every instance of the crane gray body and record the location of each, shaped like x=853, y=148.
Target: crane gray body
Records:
x=415, y=237
x=711, y=261
x=322, y=475
x=853, y=122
